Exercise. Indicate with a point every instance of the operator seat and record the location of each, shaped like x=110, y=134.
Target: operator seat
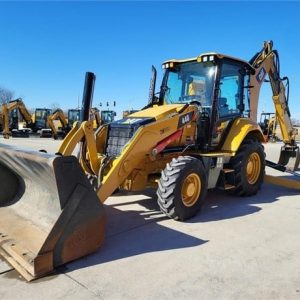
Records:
x=223, y=106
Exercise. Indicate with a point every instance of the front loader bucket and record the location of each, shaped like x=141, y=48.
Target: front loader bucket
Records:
x=289, y=157
x=49, y=212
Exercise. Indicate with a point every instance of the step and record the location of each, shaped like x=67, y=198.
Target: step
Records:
x=228, y=170
x=228, y=186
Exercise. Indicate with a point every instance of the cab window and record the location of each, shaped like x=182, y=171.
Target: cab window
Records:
x=230, y=97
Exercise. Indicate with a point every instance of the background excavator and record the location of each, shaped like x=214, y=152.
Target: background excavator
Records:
x=66, y=124
x=200, y=133
x=268, y=126
x=59, y=115
x=10, y=120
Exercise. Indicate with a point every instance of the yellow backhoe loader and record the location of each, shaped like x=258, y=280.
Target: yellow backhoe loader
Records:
x=200, y=133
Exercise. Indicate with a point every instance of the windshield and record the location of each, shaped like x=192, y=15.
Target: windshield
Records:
x=188, y=82
x=41, y=116
x=107, y=116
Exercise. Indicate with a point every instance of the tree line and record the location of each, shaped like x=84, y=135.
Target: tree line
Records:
x=6, y=95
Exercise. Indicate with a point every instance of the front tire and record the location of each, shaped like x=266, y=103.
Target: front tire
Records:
x=249, y=168
x=182, y=188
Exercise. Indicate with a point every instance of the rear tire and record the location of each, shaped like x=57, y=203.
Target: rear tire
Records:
x=182, y=188
x=249, y=165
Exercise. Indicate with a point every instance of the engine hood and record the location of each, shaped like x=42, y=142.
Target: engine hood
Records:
x=157, y=111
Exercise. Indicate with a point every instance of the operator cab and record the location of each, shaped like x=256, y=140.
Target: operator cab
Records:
x=41, y=117
x=107, y=116
x=73, y=116
x=217, y=84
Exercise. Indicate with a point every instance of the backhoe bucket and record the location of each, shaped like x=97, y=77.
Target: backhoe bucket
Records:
x=289, y=157
x=49, y=212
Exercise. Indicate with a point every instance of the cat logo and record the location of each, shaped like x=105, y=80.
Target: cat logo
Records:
x=261, y=75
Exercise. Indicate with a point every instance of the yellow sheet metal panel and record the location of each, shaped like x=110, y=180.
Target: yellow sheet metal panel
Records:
x=157, y=112
x=134, y=153
x=239, y=130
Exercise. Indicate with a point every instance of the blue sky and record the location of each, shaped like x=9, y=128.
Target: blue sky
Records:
x=46, y=47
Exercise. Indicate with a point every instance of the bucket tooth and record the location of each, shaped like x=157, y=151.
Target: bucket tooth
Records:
x=49, y=212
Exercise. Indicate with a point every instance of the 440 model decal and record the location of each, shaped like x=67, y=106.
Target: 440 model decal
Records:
x=184, y=119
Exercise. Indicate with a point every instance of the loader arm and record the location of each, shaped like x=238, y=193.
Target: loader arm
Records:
x=144, y=143
x=7, y=107
x=79, y=132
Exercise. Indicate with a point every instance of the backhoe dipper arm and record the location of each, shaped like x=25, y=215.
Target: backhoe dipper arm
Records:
x=267, y=62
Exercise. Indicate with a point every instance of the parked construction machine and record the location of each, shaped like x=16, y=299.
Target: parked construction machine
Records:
x=268, y=126
x=66, y=124
x=59, y=115
x=39, y=122
x=35, y=122
x=200, y=133
x=10, y=121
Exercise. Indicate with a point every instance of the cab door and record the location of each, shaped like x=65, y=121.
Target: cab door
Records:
x=230, y=100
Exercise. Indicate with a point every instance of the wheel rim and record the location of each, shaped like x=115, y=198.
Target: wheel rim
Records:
x=253, y=168
x=191, y=189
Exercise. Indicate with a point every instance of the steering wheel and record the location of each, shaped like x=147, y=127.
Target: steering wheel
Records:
x=192, y=97
x=196, y=102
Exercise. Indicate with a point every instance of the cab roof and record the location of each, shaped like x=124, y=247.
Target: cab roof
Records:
x=219, y=55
